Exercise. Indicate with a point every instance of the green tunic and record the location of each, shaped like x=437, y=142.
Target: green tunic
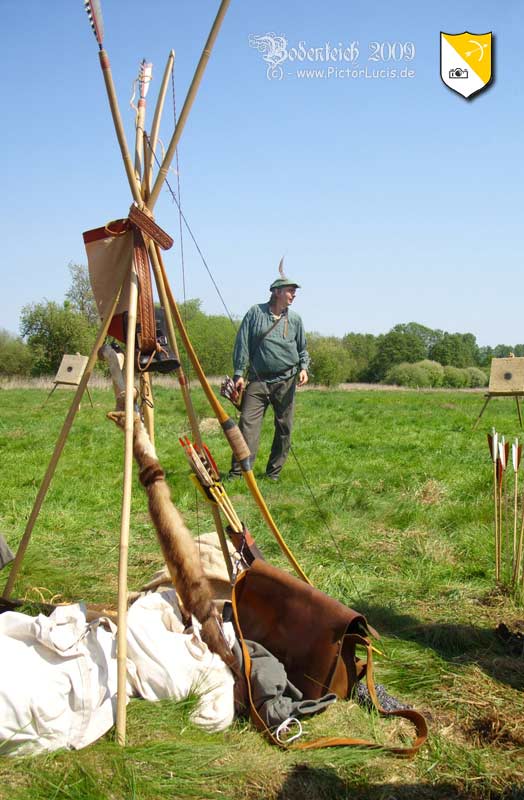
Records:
x=277, y=356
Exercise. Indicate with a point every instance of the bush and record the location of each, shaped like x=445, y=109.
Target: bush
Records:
x=477, y=377
x=330, y=361
x=434, y=369
x=52, y=330
x=455, y=377
x=15, y=358
x=405, y=374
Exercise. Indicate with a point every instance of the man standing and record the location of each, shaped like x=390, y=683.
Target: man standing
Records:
x=271, y=345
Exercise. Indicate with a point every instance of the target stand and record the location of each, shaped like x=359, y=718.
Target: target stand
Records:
x=70, y=373
x=506, y=379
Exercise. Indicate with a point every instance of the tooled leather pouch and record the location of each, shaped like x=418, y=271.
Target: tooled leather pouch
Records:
x=316, y=638
x=303, y=627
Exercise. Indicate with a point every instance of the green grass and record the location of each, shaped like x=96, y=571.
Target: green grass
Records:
x=394, y=518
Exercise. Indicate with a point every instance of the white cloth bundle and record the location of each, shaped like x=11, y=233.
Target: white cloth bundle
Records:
x=58, y=674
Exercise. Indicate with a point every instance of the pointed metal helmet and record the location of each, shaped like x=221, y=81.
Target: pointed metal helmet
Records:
x=283, y=280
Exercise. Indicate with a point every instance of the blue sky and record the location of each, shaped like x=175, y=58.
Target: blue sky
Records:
x=393, y=200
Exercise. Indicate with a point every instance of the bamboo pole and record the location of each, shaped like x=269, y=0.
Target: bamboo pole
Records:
x=107, y=314
x=126, y=514
x=144, y=79
x=155, y=127
x=146, y=388
x=193, y=89
x=119, y=128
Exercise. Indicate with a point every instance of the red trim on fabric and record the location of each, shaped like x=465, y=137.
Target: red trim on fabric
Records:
x=114, y=228
x=116, y=328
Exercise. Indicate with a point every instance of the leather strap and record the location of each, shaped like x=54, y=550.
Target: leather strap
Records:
x=146, y=307
x=335, y=741
x=147, y=225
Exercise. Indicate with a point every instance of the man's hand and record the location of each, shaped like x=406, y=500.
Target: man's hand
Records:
x=240, y=384
x=302, y=377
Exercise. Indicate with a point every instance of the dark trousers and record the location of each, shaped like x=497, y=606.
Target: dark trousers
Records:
x=257, y=397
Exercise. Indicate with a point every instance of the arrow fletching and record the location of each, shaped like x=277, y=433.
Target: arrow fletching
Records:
x=145, y=77
x=94, y=13
x=493, y=442
x=516, y=452
x=503, y=453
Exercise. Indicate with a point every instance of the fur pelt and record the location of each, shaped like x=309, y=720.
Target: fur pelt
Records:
x=178, y=547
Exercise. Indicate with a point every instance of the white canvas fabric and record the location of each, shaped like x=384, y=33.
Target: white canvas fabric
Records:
x=109, y=256
x=165, y=662
x=58, y=674
x=57, y=681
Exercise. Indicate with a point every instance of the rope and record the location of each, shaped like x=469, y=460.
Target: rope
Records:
x=183, y=219
x=188, y=227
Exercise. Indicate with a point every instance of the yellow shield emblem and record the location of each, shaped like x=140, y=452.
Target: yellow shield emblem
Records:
x=466, y=61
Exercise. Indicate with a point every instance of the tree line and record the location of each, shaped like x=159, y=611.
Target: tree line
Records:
x=409, y=354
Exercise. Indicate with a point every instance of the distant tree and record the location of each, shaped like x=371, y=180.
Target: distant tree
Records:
x=485, y=356
x=519, y=350
x=213, y=338
x=503, y=351
x=15, y=358
x=191, y=310
x=80, y=295
x=330, y=361
x=429, y=336
x=394, y=348
x=362, y=349
x=456, y=350
x=51, y=330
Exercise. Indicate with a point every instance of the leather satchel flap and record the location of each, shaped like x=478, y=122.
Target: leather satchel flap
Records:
x=300, y=625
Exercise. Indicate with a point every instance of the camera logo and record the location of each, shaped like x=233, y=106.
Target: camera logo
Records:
x=466, y=61
x=458, y=72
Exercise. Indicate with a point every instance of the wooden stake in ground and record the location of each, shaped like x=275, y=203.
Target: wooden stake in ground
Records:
x=518, y=551
x=493, y=441
x=516, y=451
x=503, y=510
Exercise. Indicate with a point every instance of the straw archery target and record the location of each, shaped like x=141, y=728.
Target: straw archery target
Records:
x=506, y=375
x=71, y=369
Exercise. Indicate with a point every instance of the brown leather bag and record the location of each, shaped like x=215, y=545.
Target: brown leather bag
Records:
x=316, y=639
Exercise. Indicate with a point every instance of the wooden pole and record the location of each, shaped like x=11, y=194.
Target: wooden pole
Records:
x=146, y=388
x=107, y=314
x=155, y=127
x=193, y=89
x=119, y=128
x=126, y=514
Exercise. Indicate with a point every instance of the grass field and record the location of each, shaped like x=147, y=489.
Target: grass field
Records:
x=387, y=504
